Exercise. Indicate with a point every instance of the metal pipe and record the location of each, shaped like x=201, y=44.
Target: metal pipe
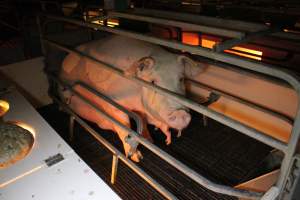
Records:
x=183, y=25
x=138, y=120
x=186, y=102
x=243, y=63
x=116, y=152
x=172, y=161
x=71, y=128
x=227, y=58
x=114, y=169
x=287, y=119
x=241, y=26
x=228, y=44
x=229, y=24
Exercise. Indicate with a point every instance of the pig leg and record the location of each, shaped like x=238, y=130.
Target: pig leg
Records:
x=145, y=132
x=91, y=114
x=165, y=129
x=123, y=118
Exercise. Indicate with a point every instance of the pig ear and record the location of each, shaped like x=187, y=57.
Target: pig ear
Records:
x=191, y=68
x=141, y=67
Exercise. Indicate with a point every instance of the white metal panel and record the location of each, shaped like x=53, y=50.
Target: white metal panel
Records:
x=47, y=142
x=31, y=178
x=71, y=179
x=30, y=78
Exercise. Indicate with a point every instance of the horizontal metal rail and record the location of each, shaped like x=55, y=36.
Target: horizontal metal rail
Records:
x=226, y=24
x=169, y=159
x=134, y=116
x=278, y=115
x=227, y=58
x=229, y=24
x=183, y=25
x=228, y=44
x=251, y=132
x=247, y=64
x=117, y=153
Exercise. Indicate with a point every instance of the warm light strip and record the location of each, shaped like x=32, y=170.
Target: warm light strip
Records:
x=259, y=53
x=110, y=23
x=190, y=38
x=243, y=54
x=21, y=176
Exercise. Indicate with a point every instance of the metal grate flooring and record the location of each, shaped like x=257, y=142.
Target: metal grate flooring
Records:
x=216, y=151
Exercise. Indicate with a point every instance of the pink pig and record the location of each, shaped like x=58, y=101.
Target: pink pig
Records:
x=136, y=58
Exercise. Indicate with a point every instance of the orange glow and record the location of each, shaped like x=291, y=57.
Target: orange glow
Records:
x=110, y=22
x=259, y=53
x=243, y=54
x=190, y=38
x=209, y=42
x=21, y=176
x=4, y=107
x=25, y=126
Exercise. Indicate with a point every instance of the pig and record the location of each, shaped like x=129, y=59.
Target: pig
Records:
x=146, y=61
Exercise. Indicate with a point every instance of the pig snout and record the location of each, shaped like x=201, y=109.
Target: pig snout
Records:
x=179, y=119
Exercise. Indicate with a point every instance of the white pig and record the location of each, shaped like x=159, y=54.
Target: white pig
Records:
x=136, y=58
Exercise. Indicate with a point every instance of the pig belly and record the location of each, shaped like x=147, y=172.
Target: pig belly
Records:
x=89, y=113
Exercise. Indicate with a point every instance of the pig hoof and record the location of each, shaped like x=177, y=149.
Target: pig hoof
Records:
x=137, y=156
x=179, y=133
x=168, y=141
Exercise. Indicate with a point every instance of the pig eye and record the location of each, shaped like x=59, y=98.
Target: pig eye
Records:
x=153, y=82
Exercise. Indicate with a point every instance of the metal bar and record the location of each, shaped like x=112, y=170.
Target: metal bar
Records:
x=186, y=102
x=71, y=128
x=116, y=152
x=244, y=72
x=114, y=169
x=242, y=101
x=134, y=116
x=236, y=25
x=227, y=58
x=228, y=44
x=243, y=63
x=172, y=161
x=41, y=34
x=9, y=26
x=183, y=25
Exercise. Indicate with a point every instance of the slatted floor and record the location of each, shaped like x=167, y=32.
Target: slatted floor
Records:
x=216, y=151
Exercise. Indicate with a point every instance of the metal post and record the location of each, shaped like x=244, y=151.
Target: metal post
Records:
x=205, y=121
x=116, y=152
x=172, y=161
x=41, y=33
x=71, y=128
x=114, y=169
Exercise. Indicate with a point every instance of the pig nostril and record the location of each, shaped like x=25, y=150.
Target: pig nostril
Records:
x=172, y=118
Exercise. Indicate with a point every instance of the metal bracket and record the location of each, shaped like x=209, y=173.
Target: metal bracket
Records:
x=52, y=160
x=293, y=178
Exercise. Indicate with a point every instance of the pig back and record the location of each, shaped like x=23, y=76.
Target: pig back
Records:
x=117, y=51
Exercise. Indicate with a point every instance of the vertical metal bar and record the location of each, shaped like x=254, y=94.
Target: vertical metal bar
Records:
x=205, y=120
x=71, y=128
x=114, y=169
x=38, y=21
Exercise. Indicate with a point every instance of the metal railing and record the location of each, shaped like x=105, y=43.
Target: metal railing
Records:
x=255, y=66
